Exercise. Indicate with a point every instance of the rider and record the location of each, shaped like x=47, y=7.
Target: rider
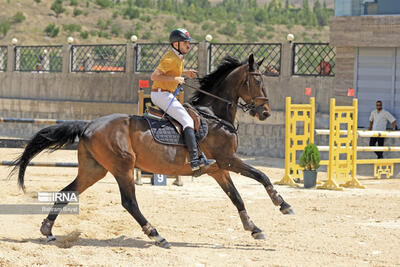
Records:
x=166, y=77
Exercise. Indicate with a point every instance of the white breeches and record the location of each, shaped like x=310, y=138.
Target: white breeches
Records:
x=176, y=110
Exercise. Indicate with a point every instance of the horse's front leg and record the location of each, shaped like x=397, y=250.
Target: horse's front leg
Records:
x=237, y=165
x=224, y=180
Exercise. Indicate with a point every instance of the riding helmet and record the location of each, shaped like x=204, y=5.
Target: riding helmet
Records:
x=179, y=35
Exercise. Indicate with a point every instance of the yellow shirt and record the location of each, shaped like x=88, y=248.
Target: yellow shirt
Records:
x=171, y=65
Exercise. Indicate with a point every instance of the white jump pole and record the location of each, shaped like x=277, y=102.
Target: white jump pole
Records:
x=363, y=133
x=368, y=148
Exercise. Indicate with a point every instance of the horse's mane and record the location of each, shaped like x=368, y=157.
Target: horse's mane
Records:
x=211, y=81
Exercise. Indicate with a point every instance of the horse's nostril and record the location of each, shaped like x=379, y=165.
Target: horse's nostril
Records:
x=266, y=114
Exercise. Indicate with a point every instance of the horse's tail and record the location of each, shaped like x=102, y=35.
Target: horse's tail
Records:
x=52, y=137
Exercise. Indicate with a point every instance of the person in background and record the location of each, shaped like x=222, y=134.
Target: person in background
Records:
x=377, y=122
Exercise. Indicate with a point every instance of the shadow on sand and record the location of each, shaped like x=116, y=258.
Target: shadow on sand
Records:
x=127, y=242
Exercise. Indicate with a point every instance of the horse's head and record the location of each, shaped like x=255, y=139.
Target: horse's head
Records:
x=253, y=91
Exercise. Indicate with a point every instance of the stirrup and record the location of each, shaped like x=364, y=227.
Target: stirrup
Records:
x=200, y=162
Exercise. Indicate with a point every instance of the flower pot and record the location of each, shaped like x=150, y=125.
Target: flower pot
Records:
x=310, y=178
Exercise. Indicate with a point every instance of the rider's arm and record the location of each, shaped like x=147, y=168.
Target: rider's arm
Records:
x=159, y=76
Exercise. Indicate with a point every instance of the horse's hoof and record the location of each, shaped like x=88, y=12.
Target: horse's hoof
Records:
x=197, y=173
x=46, y=227
x=163, y=244
x=287, y=211
x=259, y=235
x=286, y=208
x=50, y=238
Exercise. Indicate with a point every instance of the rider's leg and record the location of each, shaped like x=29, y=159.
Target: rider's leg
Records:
x=179, y=113
x=195, y=161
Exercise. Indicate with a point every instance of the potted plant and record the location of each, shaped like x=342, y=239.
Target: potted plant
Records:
x=309, y=160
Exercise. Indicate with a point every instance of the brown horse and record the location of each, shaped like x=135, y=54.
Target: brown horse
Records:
x=118, y=143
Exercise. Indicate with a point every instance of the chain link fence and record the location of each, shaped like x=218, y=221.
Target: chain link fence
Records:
x=310, y=59
x=98, y=58
x=270, y=52
x=149, y=55
x=38, y=58
x=3, y=58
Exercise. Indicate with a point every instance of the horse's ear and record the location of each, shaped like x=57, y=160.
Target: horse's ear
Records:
x=259, y=63
x=251, y=62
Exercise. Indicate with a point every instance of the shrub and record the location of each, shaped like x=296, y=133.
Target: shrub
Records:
x=77, y=12
x=103, y=3
x=72, y=27
x=145, y=18
x=115, y=30
x=270, y=28
x=310, y=158
x=57, y=7
x=37, y=1
x=18, y=17
x=146, y=35
x=4, y=27
x=84, y=34
x=51, y=30
x=131, y=13
x=103, y=24
x=73, y=2
x=229, y=29
x=128, y=34
x=103, y=34
x=205, y=26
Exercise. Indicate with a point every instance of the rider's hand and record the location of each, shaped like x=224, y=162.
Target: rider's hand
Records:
x=191, y=73
x=180, y=80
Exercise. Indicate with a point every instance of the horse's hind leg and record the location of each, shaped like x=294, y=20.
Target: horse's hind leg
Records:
x=126, y=185
x=89, y=172
x=224, y=180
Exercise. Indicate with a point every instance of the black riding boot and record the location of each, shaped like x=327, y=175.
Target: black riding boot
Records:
x=195, y=161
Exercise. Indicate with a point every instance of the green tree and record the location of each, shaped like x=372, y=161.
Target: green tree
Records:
x=18, y=17
x=52, y=30
x=57, y=7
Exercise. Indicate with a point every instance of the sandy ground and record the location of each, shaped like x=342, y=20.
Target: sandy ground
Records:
x=355, y=227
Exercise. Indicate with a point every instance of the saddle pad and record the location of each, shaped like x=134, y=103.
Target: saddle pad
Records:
x=164, y=132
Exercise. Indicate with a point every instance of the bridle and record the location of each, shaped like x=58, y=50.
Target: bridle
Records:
x=252, y=105
x=246, y=106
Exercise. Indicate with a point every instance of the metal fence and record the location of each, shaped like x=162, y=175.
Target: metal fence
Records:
x=3, y=58
x=38, y=58
x=98, y=58
x=310, y=59
x=270, y=52
x=149, y=55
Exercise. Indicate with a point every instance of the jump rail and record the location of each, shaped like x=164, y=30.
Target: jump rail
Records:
x=342, y=160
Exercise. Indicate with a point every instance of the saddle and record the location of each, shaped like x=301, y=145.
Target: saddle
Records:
x=193, y=114
x=167, y=130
